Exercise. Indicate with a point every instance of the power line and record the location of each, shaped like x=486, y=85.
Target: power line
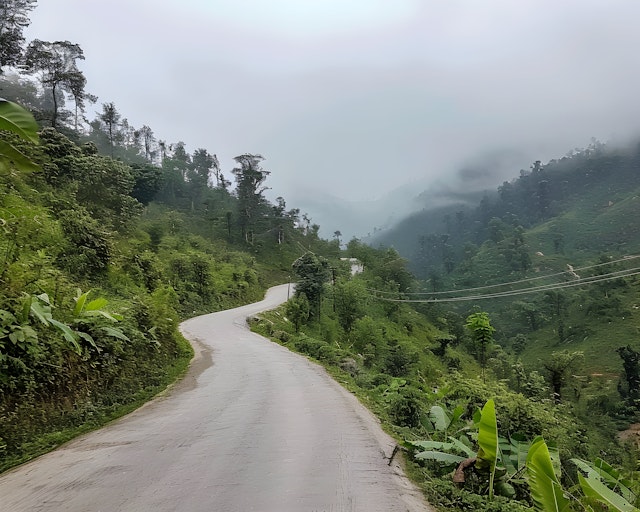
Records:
x=509, y=283
x=580, y=282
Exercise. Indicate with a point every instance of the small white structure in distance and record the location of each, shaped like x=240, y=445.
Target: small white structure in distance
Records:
x=356, y=265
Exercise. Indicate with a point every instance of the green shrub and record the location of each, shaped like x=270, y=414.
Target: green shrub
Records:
x=405, y=408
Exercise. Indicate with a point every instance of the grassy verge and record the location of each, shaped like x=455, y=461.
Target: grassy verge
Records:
x=401, y=400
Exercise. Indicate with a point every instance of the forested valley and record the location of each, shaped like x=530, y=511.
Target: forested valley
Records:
x=496, y=340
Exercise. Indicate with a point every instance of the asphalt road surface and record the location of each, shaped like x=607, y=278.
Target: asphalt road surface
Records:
x=252, y=427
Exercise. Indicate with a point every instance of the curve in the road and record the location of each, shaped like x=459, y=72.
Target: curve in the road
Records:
x=251, y=427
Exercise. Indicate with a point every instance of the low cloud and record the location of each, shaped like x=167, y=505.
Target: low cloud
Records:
x=353, y=99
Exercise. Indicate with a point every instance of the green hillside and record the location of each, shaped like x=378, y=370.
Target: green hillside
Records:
x=101, y=258
x=529, y=298
x=579, y=211
x=109, y=237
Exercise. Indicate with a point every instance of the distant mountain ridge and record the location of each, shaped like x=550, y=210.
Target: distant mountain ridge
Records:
x=369, y=220
x=578, y=204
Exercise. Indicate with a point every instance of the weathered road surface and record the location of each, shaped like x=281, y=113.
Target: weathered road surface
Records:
x=252, y=427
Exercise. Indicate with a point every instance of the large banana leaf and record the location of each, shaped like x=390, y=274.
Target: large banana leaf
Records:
x=488, y=440
x=610, y=476
x=8, y=153
x=16, y=119
x=446, y=458
x=488, y=434
x=431, y=445
x=594, y=489
x=456, y=414
x=116, y=333
x=459, y=445
x=70, y=335
x=546, y=492
x=81, y=299
x=514, y=454
x=439, y=418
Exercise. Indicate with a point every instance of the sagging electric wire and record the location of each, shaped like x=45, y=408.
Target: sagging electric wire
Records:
x=569, y=272
x=581, y=282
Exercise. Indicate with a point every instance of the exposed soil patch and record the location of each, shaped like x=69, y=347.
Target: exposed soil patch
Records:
x=632, y=434
x=202, y=359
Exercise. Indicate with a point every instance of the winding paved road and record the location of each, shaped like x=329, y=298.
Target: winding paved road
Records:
x=252, y=427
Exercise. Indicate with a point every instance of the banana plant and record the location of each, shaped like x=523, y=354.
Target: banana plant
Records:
x=544, y=481
x=601, y=498
x=87, y=312
x=438, y=422
x=488, y=441
x=451, y=452
x=500, y=457
x=15, y=119
x=445, y=446
x=41, y=308
x=604, y=487
x=84, y=313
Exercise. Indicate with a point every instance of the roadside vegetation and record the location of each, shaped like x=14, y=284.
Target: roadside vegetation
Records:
x=428, y=372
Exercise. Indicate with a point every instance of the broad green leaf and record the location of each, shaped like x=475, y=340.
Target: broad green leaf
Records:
x=611, y=471
x=517, y=455
x=96, y=304
x=439, y=418
x=554, y=453
x=16, y=119
x=42, y=313
x=9, y=153
x=116, y=333
x=44, y=297
x=546, y=491
x=593, y=488
x=430, y=445
x=89, y=339
x=101, y=313
x=461, y=447
x=81, y=299
x=488, y=434
x=446, y=458
x=19, y=159
x=488, y=440
x=519, y=451
x=457, y=414
x=609, y=475
x=476, y=417
x=68, y=334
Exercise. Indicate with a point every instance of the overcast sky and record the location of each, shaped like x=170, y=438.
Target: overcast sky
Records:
x=357, y=97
